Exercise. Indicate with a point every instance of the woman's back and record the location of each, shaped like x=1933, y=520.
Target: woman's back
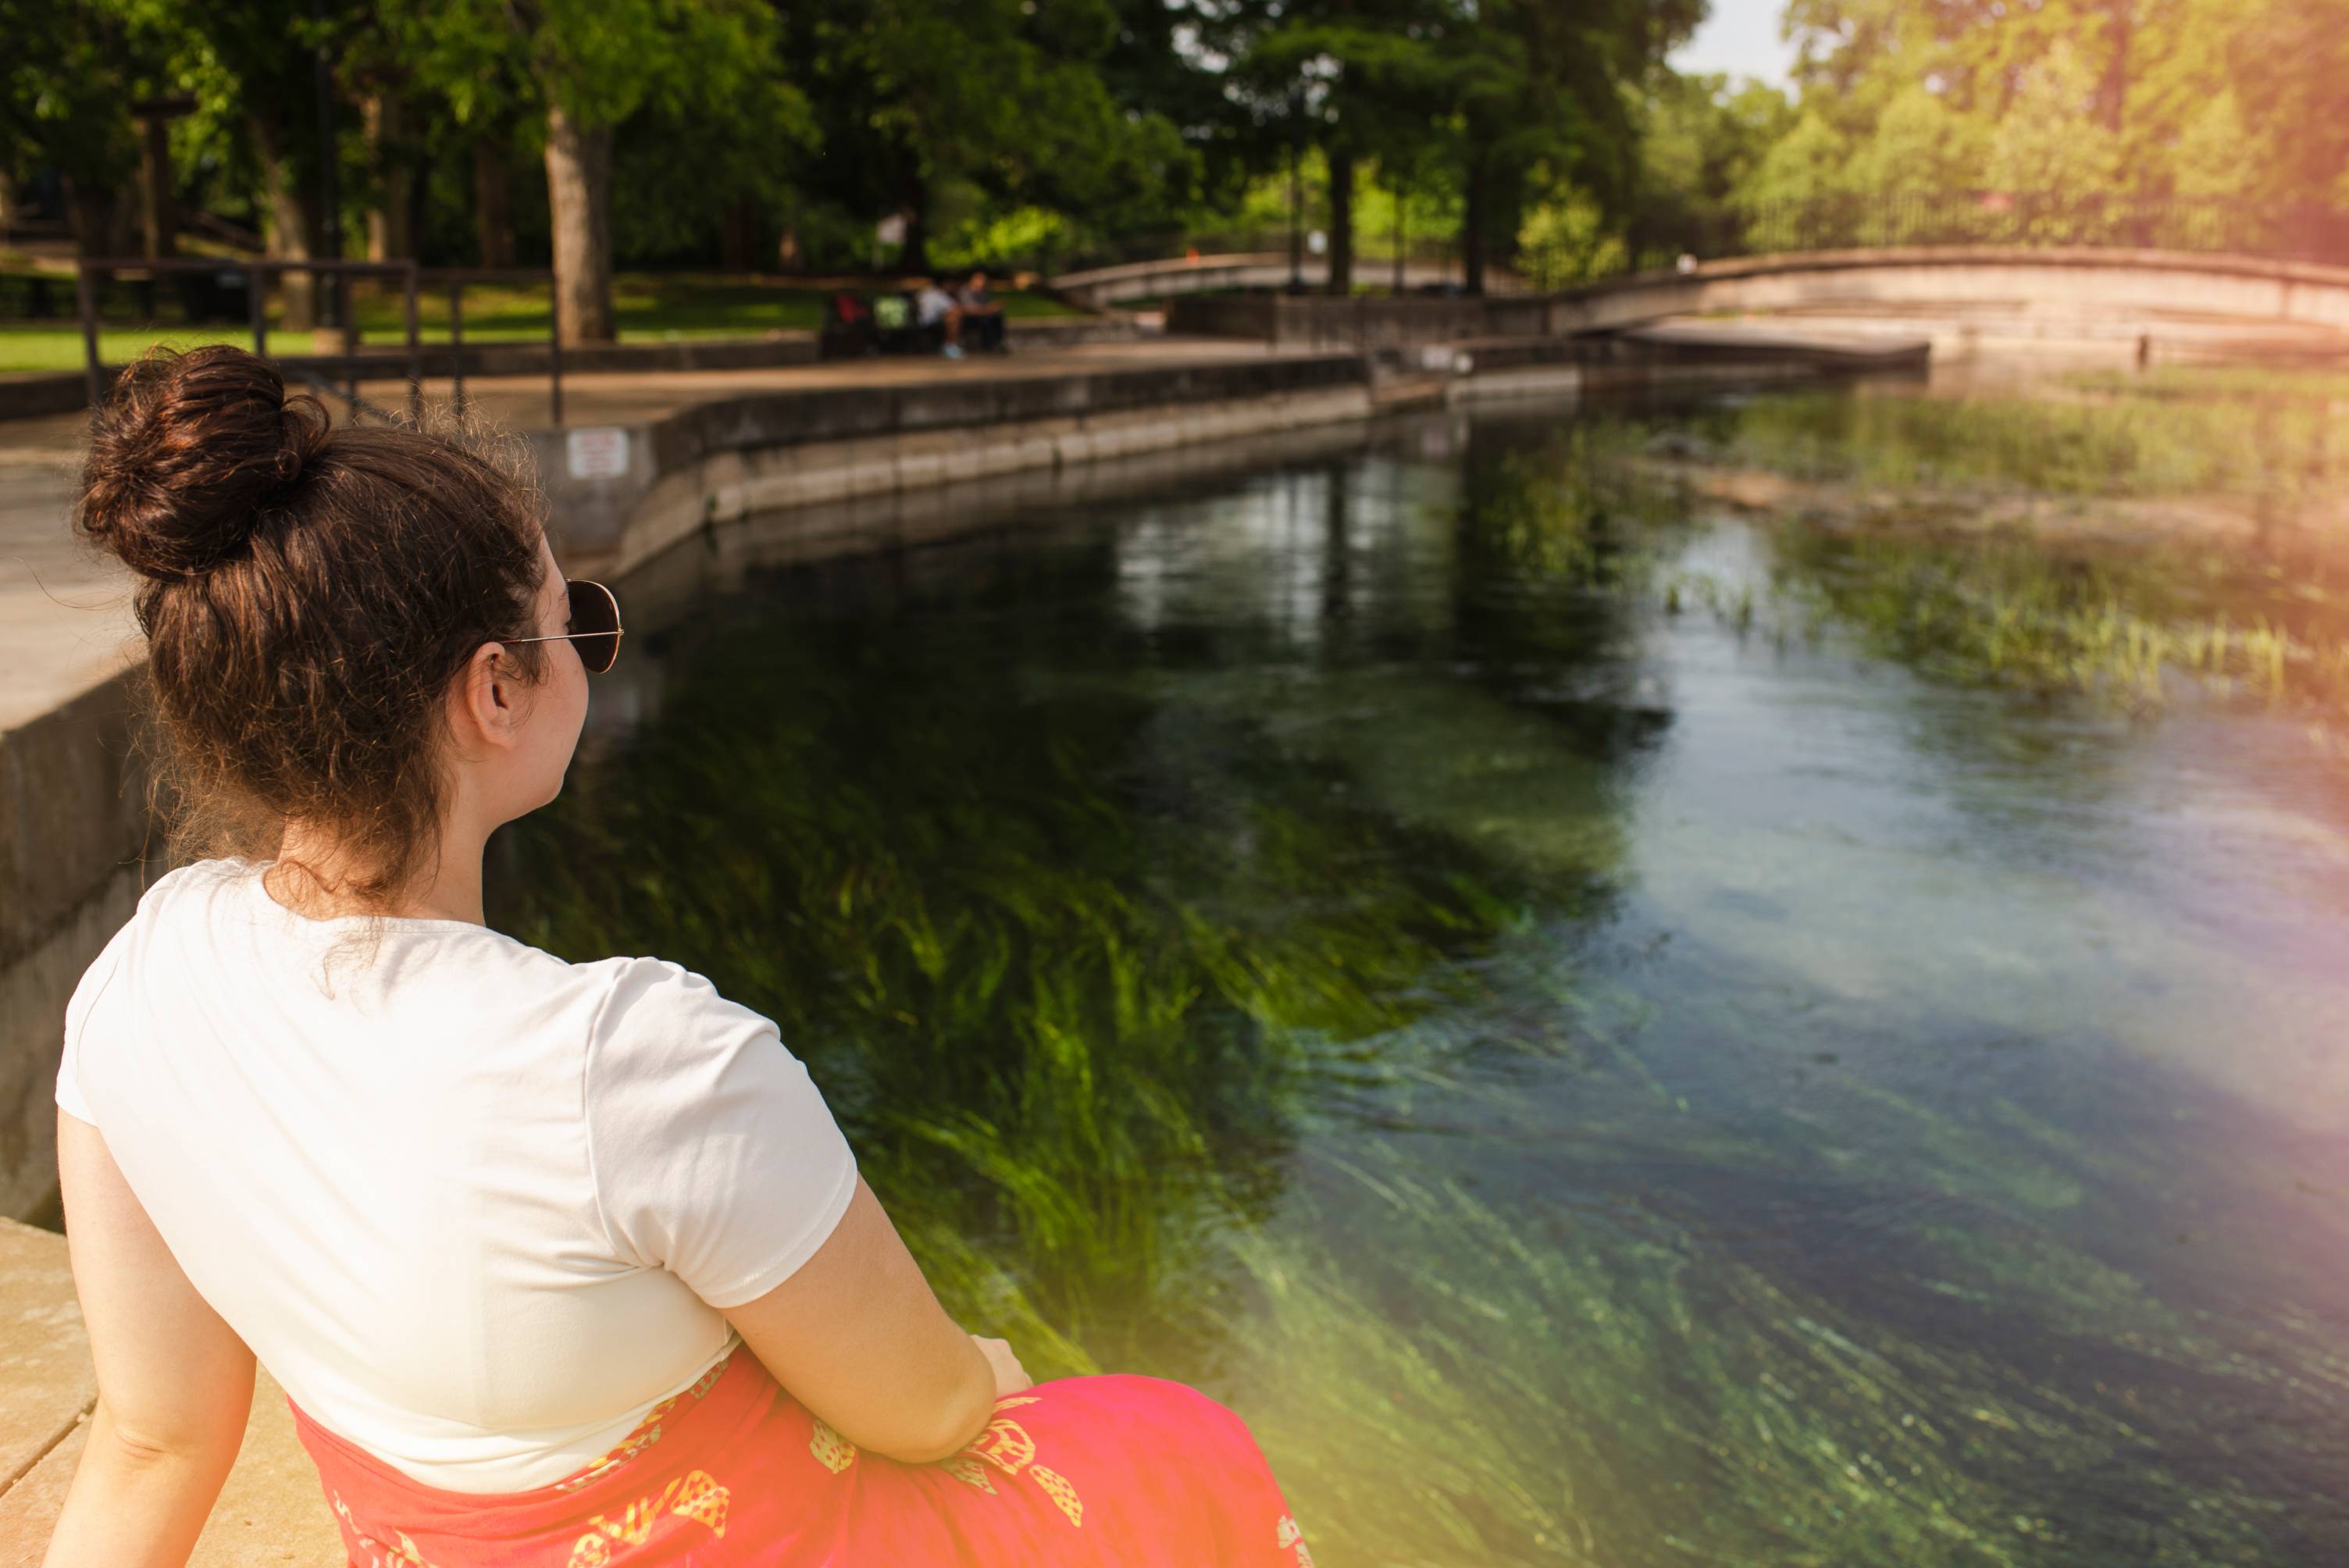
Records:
x=448, y=1187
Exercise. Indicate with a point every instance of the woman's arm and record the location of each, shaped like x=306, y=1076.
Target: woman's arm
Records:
x=174, y=1382
x=858, y=1337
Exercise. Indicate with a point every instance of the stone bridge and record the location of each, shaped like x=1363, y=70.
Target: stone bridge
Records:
x=1955, y=295
x=1099, y=286
x=2075, y=283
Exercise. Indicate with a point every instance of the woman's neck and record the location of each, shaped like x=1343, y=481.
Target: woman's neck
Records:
x=314, y=875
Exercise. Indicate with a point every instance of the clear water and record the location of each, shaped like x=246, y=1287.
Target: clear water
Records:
x=1608, y=1025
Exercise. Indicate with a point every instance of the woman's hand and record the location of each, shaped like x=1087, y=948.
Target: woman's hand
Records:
x=1011, y=1377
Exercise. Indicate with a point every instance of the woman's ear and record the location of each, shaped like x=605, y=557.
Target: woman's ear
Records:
x=485, y=701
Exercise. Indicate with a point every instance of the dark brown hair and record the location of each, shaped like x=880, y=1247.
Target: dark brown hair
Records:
x=308, y=594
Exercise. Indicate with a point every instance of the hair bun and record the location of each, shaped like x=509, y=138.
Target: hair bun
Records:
x=190, y=453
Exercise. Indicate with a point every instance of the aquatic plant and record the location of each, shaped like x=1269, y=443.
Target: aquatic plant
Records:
x=2032, y=614
x=2123, y=439
x=1065, y=1039
x=1275, y=987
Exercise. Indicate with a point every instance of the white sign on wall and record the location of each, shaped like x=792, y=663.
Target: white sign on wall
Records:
x=597, y=454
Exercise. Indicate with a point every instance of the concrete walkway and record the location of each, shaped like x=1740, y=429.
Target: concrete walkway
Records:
x=65, y=615
x=272, y=1509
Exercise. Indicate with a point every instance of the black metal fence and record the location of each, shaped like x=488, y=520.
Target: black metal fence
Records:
x=213, y=291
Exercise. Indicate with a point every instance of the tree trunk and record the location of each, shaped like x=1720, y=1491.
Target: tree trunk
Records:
x=160, y=218
x=738, y=236
x=1473, y=196
x=89, y=210
x=493, y=240
x=2113, y=91
x=1341, y=222
x=913, y=259
x=578, y=199
x=389, y=239
x=287, y=227
x=123, y=223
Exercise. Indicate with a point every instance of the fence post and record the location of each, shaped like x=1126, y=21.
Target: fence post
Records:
x=257, y=307
x=86, y=298
x=350, y=337
x=415, y=347
x=554, y=346
x=457, y=343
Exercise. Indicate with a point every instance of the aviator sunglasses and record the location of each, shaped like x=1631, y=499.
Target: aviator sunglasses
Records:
x=594, y=626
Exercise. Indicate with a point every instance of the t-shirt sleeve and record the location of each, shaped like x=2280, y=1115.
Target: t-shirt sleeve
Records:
x=95, y=980
x=712, y=1153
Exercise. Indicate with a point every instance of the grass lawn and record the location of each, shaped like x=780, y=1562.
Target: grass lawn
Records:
x=651, y=307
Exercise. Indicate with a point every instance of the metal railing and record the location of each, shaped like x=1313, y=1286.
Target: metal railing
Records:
x=355, y=361
x=454, y=280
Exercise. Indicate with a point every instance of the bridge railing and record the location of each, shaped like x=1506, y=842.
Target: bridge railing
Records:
x=2291, y=231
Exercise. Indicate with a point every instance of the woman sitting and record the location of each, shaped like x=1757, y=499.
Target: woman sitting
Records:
x=558, y=1263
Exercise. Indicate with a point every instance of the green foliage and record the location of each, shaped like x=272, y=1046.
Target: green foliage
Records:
x=917, y=100
x=2026, y=606
x=1063, y=1063
x=63, y=81
x=2094, y=97
x=2047, y=138
x=1566, y=239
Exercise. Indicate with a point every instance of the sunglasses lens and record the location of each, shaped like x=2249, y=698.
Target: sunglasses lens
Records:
x=594, y=626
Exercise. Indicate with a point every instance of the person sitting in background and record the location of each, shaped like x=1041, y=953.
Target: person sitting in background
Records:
x=934, y=307
x=982, y=314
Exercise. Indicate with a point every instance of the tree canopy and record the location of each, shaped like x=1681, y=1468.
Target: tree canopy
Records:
x=913, y=134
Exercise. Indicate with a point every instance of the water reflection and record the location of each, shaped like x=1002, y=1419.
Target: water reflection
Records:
x=1603, y=1038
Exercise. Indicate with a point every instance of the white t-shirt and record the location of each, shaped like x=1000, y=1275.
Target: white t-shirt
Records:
x=474, y=1207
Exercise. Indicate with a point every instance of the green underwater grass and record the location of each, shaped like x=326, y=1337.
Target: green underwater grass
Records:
x=1195, y=1017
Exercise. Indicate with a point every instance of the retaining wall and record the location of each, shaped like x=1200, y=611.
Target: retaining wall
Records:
x=73, y=831
x=720, y=461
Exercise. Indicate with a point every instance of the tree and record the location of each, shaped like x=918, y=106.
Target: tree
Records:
x=1513, y=89
x=2050, y=141
x=66, y=87
x=1701, y=142
x=2086, y=99
x=936, y=109
x=584, y=66
x=1806, y=170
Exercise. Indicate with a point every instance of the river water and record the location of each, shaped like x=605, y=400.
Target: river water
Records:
x=1753, y=984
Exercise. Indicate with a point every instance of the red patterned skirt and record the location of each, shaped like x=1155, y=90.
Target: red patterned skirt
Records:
x=1117, y=1473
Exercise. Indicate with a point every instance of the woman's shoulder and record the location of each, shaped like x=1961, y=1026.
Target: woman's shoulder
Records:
x=163, y=896
x=655, y=1000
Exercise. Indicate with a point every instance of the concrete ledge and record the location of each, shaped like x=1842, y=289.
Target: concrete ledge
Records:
x=730, y=483
x=272, y=1508
x=723, y=459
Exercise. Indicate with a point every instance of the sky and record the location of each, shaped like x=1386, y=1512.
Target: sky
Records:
x=1740, y=37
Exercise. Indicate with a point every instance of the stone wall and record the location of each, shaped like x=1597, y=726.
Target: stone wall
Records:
x=73, y=840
